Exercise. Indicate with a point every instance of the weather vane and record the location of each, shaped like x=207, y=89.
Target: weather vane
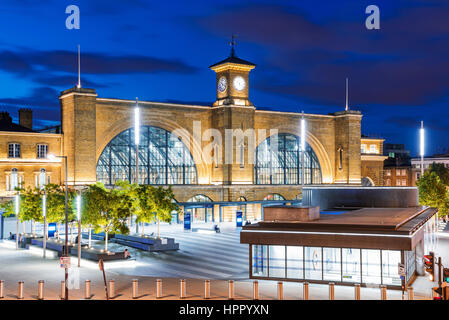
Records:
x=233, y=43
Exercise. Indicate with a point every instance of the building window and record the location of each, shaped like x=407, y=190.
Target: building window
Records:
x=371, y=266
x=404, y=172
x=276, y=261
x=388, y=173
x=14, y=180
x=260, y=261
x=278, y=160
x=404, y=182
x=273, y=196
x=373, y=148
x=363, y=148
x=42, y=151
x=398, y=172
x=313, y=263
x=398, y=182
x=332, y=264
x=295, y=262
x=351, y=265
x=391, y=154
x=388, y=182
x=390, y=261
x=14, y=150
x=163, y=159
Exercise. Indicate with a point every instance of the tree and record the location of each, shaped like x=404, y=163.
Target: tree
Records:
x=31, y=206
x=107, y=210
x=55, y=212
x=434, y=188
x=163, y=204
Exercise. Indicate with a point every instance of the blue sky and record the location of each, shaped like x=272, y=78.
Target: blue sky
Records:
x=304, y=50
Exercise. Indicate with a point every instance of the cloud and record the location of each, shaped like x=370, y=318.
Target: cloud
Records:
x=41, y=97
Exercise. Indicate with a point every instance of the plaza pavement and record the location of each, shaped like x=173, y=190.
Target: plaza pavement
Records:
x=218, y=257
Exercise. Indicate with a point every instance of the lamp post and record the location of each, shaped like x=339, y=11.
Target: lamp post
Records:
x=303, y=147
x=136, y=142
x=421, y=147
x=78, y=213
x=17, y=218
x=66, y=247
x=44, y=214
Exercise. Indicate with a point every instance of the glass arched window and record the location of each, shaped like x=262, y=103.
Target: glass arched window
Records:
x=200, y=198
x=278, y=161
x=273, y=196
x=163, y=159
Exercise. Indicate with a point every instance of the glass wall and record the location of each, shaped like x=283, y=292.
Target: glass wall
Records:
x=330, y=264
x=163, y=159
x=278, y=161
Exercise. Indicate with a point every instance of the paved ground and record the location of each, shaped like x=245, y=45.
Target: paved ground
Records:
x=218, y=257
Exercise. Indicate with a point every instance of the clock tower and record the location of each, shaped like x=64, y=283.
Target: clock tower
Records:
x=232, y=80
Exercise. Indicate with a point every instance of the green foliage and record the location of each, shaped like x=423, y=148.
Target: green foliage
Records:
x=8, y=208
x=434, y=188
x=162, y=200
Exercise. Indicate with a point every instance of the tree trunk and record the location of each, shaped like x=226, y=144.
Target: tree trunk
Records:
x=158, y=228
x=71, y=232
x=143, y=229
x=57, y=231
x=23, y=225
x=106, y=241
x=34, y=228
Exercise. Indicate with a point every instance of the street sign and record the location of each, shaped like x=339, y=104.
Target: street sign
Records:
x=187, y=224
x=239, y=218
x=65, y=262
x=401, y=269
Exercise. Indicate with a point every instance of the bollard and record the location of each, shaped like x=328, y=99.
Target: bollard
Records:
x=206, y=289
x=20, y=293
x=331, y=291
x=40, y=290
x=2, y=285
x=62, y=290
x=306, y=291
x=111, y=288
x=280, y=291
x=135, y=288
x=256, y=290
x=383, y=292
x=231, y=289
x=357, y=291
x=411, y=296
x=182, y=289
x=87, y=294
x=158, y=288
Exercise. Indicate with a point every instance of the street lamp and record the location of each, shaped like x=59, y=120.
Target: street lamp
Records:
x=136, y=142
x=44, y=214
x=78, y=213
x=17, y=217
x=421, y=147
x=303, y=147
x=66, y=247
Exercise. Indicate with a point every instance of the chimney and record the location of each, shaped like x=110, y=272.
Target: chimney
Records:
x=4, y=116
x=26, y=118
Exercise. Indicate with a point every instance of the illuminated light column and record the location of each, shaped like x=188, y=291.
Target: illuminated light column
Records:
x=421, y=147
x=17, y=217
x=78, y=214
x=303, y=147
x=44, y=214
x=136, y=142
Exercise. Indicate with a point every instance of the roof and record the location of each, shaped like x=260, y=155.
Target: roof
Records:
x=6, y=125
x=233, y=59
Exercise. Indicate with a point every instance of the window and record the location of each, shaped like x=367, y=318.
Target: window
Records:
x=163, y=159
x=276, y=261
x=371, y=266
x=388, y=173
x=388, y=182
x=404, y=182
x=398, y=172
x=404, y=172
x=14, y=150
x=260, y=261
x=351, y=265
x=14, y=180
x=42, y=151
x=313, y=263
x=391, y=154
x=398, y=182
x=273, y=197
x=390, y=261
x=42, y=178
x=373, y=148
x=278, y=160
x=363, y=148
x=332, y=264
x=295, y=262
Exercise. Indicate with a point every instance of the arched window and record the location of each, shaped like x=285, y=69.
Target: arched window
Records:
x=200, y=198
x=163, y=159
x=278, y=161
x=273, y=196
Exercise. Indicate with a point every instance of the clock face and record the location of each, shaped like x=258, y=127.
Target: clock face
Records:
x=222, y=84
x=239, y=83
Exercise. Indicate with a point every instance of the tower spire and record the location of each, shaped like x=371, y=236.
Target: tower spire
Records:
x=347, y=96
x=79, y=68
x=233, y=43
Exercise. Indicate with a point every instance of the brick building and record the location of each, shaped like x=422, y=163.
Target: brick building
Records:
x=188, y=146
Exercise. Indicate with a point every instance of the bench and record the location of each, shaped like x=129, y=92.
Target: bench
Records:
x=146, y=243
x=94, y=236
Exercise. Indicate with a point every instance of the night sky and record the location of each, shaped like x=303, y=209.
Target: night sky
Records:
x=304, y=50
